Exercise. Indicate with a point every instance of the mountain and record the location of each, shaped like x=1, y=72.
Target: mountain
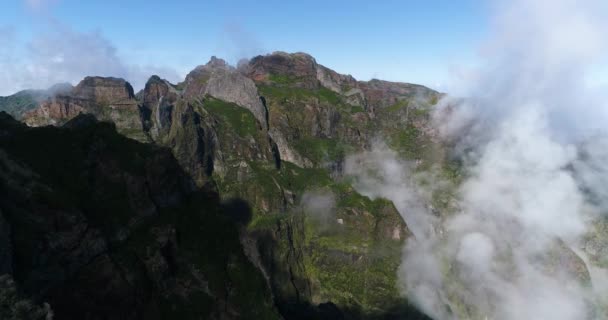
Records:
x=104, y=227
x=228, y=201
x=26, y=100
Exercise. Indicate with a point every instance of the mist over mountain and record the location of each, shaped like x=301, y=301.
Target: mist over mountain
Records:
x=278, y=188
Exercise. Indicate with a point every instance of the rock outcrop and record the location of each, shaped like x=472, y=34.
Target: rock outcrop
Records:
x=107, y=98
x=298, y=68
x=302, y=70
x=219, y=80
x=157, y=103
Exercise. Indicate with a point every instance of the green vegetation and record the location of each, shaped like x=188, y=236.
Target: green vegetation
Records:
x=282, y=79
x=351, y=280
x=356, y=109
x=434, y=99
x=21, y=102
x=352, y=264
x=408, y=141
x=293, y=93
x=329, y=96
x=238, y=119
x=398, y=106
x=320, y=149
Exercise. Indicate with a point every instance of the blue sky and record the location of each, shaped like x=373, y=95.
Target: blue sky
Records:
x=411, y=41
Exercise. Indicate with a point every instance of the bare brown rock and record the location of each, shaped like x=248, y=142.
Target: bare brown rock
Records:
x=107, y=98
x=297, y=68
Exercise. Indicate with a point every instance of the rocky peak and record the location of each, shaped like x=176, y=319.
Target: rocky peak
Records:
x=157, y=102
x=215, y=62
x=156, y=89
x=212, y=65
x=297, y=68
x=222, y=81
x=104, y=90
x=110, y=99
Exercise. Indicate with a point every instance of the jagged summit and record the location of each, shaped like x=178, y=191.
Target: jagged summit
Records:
x=106, y=89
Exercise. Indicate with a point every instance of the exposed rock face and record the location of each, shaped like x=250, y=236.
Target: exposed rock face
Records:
x=54, y=112
x=300, y=68
x=344, y=84
x=224, y=82
x=158, y=101
x=106, y=98
x=105, y=91
x=23, y=101
x=191, y=143
x=286, y=152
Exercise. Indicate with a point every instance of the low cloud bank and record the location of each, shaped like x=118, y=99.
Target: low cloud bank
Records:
x=530, y=134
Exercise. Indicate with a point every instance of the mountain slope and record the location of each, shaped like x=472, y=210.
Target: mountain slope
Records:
x=103, y=227
x=275, y=132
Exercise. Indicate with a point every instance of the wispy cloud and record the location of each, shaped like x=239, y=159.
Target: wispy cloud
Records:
x=65, y=55
x=237, y=42
x=40, y=5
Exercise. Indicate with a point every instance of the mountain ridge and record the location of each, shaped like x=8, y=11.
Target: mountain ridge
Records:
x=275, y=133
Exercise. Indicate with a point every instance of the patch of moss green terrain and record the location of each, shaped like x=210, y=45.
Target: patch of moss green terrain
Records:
x=403, y=124
x=352, y=264
x=318, y=123
x=232, y=117
x=165, y=251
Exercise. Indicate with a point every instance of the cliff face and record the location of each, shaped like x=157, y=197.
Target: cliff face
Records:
x=222, y=81
x=274, y=133
x=107, y=98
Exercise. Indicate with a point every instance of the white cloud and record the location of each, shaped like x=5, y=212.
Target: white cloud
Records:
x=519, y=131
x=65, y=55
